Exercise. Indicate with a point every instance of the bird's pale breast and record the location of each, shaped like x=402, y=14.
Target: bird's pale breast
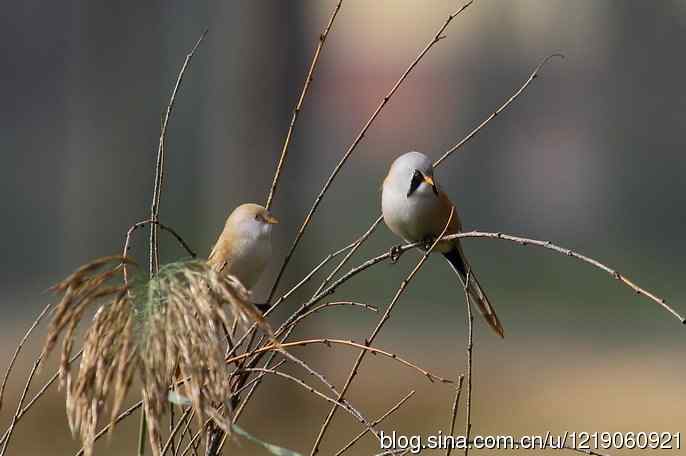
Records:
x=412, y=218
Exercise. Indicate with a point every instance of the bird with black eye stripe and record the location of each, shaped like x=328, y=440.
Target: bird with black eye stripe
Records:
x=415, y=209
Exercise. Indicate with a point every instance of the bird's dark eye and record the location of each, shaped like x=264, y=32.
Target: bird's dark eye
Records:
x=417, y=179
x=258, y=217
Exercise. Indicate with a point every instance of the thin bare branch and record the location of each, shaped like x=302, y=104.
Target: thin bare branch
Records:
x=296, y=380
x=469, y=348
x=19, y=347
x=175, y=429
x=453, y=415
x=437, y=37
x=157, y=193
x=313, y=372
x=164, y=227
x=579, y=450
x=375, y=423
x=135, y=226
x=377, y=329
x=18, y=413
x=332, y=304
x=38, y=395
x=159, y=167
x=571, y=253
x=500, y=109
x=363, y=347
x=356, y=245
x=450, y=151
x=488, y=235
x=129, y=411
x=299, y=105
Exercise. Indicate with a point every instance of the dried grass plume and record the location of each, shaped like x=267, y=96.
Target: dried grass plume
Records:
x=168, y=330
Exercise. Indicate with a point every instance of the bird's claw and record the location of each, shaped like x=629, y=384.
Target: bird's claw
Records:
x=395, y=253
x=428, y=242
x=263, y=307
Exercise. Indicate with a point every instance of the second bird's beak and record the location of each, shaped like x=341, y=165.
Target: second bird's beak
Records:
x=270, y=219
x=429, y=180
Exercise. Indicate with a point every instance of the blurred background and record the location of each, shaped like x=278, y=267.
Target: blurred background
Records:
x=591, y=157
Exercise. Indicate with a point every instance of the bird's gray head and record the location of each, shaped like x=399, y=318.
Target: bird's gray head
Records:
x=413, y=173
x=251, y=220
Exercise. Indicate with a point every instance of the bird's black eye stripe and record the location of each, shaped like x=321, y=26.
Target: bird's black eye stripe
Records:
x=417, y=179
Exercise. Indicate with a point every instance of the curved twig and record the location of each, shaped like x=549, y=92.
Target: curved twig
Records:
x=18, y=412
x=296, y=380
x=489, y=235
x=159, y=166
x=571, y=253
x=534, y=74
x=326, y=341
x=437, y=37
x=298, y=106
x=19, y=347
x=38, y=395
x=375, y=423
x=453, y=415
x=377, y=329
x=518, y=92
x=332, y=304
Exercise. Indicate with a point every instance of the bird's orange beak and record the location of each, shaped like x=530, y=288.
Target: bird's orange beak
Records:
x=429, y=180
x=270, y=219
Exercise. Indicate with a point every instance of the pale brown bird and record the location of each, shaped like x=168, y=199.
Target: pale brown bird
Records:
x=244, y=247
x=415, y=209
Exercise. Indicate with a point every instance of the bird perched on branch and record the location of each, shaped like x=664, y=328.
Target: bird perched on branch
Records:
x=415, y=209
x=245, y=245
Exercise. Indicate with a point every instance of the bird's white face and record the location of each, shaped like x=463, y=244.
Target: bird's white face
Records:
x=265, y=228
x=251, y=221
x=256, y=226
x=412, y=173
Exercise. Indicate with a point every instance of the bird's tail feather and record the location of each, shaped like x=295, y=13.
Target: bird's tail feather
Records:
x=476, y=294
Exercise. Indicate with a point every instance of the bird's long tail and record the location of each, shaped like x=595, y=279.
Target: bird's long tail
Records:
x=476, y=294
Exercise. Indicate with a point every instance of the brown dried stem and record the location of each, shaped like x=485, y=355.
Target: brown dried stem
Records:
x=157, y=193
x=489, y=235
x=332, y=304
x=469, y=348
x=571, y=253
x=589, y=452
x=501, y=108
x=20, y=346
x=453, y=414
x=437, y=37
x=159, y=167
x=534, y=74
x=364, y=348
x=344, y=405
x=375, y=423
x=37, y=396
x=298, y=106
x=375, y=332
x=18, y=412
x=170, y=230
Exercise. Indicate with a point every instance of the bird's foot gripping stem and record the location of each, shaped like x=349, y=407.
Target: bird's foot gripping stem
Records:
x=427, y=242
x=395, y=253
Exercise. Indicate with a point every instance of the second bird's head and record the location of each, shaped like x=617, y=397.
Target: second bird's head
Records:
x=252, y=220
x=413, y=174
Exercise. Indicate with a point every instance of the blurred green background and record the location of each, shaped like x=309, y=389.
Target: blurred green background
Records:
x=591, y=157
